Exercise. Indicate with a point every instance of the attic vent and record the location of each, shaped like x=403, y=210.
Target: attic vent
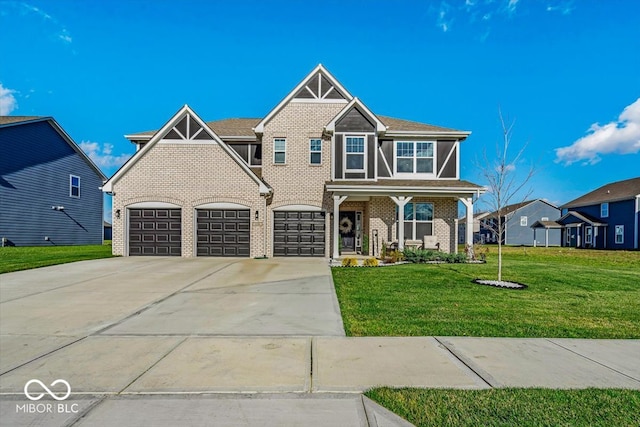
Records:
x=187, y=129
x=544, y=218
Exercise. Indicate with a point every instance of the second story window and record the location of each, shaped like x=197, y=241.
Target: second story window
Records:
x=414, y=157
x=315, y=151
x=355, y=153
x=279, y=151
x=74, y=186
x=604, y=210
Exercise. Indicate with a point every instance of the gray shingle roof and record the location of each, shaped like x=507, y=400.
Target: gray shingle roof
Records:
x=615, y=191
x=436, y=183
x=6, y=120
x=408, y=125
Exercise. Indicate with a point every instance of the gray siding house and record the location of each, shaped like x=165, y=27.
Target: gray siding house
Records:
x=49, y=189
x=522, y=222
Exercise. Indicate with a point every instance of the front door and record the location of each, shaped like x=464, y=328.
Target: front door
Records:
x=347, y=227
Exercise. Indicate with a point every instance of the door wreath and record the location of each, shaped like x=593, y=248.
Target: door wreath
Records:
x=346, y=225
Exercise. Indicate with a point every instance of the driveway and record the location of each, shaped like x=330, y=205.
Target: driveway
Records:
x=43, y=309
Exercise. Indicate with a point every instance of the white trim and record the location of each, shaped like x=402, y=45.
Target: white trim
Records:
x=364, y=154
x=457, y=145
x=427, y=134
x=601, y=206
x=71, y=186
x=319, y=68
x=615, y=234
x=292, y=208
x=222, y=205
x=153, y=205
x=635, y=222
x=588, y=235
x=318, y=101
x=331, y=127
x=385, y=190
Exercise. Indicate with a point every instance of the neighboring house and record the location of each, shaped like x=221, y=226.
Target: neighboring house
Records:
x=108, y=230
x=49, y=189
x=478, y=237
x=606, y=218
x=318, y=173
x=521, y=223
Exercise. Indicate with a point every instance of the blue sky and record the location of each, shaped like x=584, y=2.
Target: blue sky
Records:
x=567, y=72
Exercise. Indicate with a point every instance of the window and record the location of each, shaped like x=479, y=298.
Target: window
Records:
x=619, y=234
x=589, y=237
x=418, y=220
x=414, y=157
x=355, y=153
x=74, y=186
x=604, y=210
x=568, y=235
x=544, y=218
x=279, y=151
x=315, y=151
x=250, y=153
x=523, y=221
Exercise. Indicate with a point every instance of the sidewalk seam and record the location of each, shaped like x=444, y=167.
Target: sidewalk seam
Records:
x=591, y=360
x=461, y=360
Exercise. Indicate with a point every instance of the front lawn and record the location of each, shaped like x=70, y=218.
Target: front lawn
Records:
x=572, y=293
x=512, y=407
x=24, y=258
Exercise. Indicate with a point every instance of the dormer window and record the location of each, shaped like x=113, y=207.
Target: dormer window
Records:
x=414, y=157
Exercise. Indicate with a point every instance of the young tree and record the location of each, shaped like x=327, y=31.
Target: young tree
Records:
x=504, y=184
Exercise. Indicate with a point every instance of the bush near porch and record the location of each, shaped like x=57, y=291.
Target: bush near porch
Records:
x=572, y=293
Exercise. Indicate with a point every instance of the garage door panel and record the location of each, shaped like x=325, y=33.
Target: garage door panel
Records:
x=299, y=233
x=223, y=232
x=155, y=231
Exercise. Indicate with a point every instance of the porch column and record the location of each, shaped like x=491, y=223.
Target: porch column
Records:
x=401, y=201
x=534, y=237
x=468, y=204
x=337, y=200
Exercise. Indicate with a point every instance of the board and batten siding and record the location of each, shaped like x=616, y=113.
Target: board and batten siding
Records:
x=35, y=166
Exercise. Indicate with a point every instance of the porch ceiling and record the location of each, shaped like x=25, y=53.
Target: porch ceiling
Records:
x=389, y=187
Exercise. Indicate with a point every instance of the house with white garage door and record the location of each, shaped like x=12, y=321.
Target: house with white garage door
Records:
x=319, y=175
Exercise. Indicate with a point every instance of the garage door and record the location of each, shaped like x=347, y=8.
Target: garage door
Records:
x=155, y=232
x=299, y=233
x=223, y=232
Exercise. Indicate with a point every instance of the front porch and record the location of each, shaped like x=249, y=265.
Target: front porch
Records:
x=367, y=216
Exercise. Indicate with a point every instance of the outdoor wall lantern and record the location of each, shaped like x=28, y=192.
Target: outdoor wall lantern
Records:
x=257, y=215
x=117, y=213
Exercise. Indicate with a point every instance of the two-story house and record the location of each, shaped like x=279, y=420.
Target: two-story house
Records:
x=319, y=174
x=606, y=218
x=49, y=188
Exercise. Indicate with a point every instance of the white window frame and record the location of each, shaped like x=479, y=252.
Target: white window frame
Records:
x=414, y=222
x=312, y=151
x=621, y=234
x=523, y=221
x=71, y=186
x=431, y=174
x=364, y=154
x=588, y=235
x=604, y=210
x=284, y=162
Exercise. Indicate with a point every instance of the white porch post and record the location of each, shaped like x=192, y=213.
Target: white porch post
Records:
x=534, y=237
x=468, y=204
x=401, y=201
x=546, y=237
x=337, y=200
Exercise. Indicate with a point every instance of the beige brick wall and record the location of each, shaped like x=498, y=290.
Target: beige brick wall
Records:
x=297, y=181
x=187, y=175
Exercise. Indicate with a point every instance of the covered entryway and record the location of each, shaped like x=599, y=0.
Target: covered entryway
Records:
x=299, y=233
x=155, y=232
x=223, y=232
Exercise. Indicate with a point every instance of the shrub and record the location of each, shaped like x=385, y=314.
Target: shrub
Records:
x=349, y=262
x=370, y=262
x=418, y=256
x=396, y=256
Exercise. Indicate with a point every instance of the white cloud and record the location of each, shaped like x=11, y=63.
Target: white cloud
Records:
x=8, y=102
x=102, y=154
x=512, y=5
x=618, y=137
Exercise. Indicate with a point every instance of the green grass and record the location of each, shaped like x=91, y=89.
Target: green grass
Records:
x=27, y=257
x=512, y=407
x=571, y=293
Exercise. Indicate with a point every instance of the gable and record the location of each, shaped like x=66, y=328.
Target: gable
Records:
x=185, y=127
x=318, y=87
x=354, y=120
